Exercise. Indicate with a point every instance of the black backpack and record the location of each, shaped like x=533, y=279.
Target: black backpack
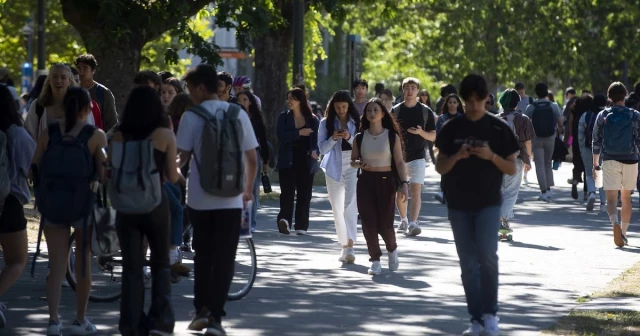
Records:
x=542, y=118
x=590, y=121
x=392, y=143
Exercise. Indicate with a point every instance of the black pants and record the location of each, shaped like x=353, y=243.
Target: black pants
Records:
x=299, y=182
x=131, y=230
x=215, y=240
x=578, y=164
x=430, y=147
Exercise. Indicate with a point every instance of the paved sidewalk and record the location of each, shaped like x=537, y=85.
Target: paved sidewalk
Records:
x=559, y=253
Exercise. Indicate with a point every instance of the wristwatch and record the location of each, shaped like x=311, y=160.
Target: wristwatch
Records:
x=403, y=182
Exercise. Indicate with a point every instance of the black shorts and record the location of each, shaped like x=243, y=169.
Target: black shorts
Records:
x=12, y=218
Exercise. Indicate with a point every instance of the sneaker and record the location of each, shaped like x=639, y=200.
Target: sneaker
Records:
x=351, y=256
x=549, y=194
x=375, y=269
x=402, y=228
x=543, y=197
x=476, y=329
x=591, y=201
x=86, y=328
x=414, y=229
x=617, y=235
x=603, y=208
x=439, y=197
x=253, y=230
x=3, y=320
x=200, y=320
x=491, y=325
x=343, y=255
x=504, y=225
x=215, y=329
x=394, y=262
x=54, y=328
x=283, y=226
x=301, y=232
x=626, y=242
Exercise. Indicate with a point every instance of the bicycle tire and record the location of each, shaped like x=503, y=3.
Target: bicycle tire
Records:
x=252, y=278
x=72, y=280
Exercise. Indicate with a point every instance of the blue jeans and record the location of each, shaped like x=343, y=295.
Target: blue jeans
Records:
x=256, y=191
x=174, y=194
x=475, y=234
x=510, y=190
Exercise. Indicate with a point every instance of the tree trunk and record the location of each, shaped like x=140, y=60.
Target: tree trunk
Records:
x=273, y=51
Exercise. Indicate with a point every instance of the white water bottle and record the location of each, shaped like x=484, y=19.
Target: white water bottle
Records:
x=599, y=181
x=245, y=223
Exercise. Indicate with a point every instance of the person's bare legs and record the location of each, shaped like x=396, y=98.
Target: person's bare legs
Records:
x=83, y=283
x=625, y=213
x=612, y=203
x=402, y=207
x=14, y=248
x=57, y=243
x=416, y=201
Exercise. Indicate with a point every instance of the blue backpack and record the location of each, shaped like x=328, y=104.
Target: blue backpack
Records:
x=618, y=131
x=64, y=192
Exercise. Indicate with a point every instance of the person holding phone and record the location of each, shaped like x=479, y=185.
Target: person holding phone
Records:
x=297, y=131
x=335, y=140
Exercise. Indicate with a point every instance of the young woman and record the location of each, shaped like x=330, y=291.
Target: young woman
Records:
x=76, y=105
x=335, y=140
x=452, y=108
x=387, y=99
x=180, y=103
x=424, y=98
x=588, y=107
x=297, y=130
x=376, y=189
x=169, y=89
x=143, y=118
x=248, y=101
x=13, y=234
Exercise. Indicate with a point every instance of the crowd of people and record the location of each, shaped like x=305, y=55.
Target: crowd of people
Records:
x=167, y=169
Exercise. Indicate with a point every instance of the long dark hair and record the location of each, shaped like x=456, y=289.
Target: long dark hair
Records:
x=388, y=121
x=301, y=96
x=143, y=113
x=341, y=96
x=8, y=113
x=424, y=92
x=445, y=108
x=75, y=100
x=37, y=87
x=180, y=103
x=255, y=112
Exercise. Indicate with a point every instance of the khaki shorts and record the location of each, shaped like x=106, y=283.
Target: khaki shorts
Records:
x=617, y=175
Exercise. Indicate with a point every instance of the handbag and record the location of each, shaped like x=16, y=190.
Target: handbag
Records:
x=104, y=238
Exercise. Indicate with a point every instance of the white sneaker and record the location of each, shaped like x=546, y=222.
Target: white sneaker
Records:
x=414, y=229
x=343, y=255
x=476, y=329
x=376, y=268
x=350, y=256
x=402, y=228
x=86, y=328
x=491, y=325
x=543, y=197
x=591, y=201
x=603, y=208
x=301, y=232
x=54, y=328
x=394, y=262
x=549, y=195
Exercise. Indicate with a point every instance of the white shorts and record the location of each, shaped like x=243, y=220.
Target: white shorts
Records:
x=617, y=175
x=415, y=171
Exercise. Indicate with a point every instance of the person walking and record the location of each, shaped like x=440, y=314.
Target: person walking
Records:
x=616, y=137
x=547, y=121
x=475, y=153
x=378, y=154
x=335, y=140
x=589, y=107
x=452, y=108
x=297, y=130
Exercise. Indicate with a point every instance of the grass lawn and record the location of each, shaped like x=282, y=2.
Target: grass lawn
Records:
x=602, y=322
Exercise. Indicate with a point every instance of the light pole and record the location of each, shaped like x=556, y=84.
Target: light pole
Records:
x=27, y=67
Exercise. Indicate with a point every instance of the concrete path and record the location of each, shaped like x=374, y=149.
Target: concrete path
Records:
x=559, y=252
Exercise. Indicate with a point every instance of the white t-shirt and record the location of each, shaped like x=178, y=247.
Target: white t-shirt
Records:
x=188, y=139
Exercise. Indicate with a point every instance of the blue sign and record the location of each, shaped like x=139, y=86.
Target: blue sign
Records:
x=27, y=77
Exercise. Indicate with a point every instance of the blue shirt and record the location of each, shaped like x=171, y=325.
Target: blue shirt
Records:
x=332, y=149
x=21, y=150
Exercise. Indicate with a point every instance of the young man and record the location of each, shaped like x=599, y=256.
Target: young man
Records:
x=616, y=136
x=242, y=83
x=418, y=124
x=225, y=84
x=148, y=78
x=546, y=117
x=87, y=65
x=524, y=99
x=215, y=220
x=475, y=152
x=360, y=88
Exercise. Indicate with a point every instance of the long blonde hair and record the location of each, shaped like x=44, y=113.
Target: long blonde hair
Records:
x=46, y=96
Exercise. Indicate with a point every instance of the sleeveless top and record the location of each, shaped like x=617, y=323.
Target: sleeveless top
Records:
x=375, y=150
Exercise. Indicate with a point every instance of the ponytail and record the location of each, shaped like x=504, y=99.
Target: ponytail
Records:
x=75, y=100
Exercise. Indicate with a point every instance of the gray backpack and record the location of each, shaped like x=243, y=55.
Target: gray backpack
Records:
x=221, y=159
x=136, y=185
x=5, y=182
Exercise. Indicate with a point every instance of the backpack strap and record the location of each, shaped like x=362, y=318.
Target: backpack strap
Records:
x=39, y=110
x=233, y=111
x=232, y=114
x=425, y=114
x=100, y=95
x=201, y=112
x=86, y=133
x=55, y=132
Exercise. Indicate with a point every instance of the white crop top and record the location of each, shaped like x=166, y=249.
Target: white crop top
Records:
x=375, y=150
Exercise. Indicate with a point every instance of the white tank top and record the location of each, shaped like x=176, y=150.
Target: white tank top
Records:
x=375, y=150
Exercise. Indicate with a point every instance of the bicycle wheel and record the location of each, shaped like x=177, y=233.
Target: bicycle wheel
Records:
x=106, y=274
x=245, y=269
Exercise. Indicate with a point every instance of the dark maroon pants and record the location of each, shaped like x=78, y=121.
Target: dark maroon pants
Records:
x=376, y=198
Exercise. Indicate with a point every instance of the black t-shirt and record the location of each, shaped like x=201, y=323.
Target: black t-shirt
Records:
x=412, y=117
x=474, y=183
